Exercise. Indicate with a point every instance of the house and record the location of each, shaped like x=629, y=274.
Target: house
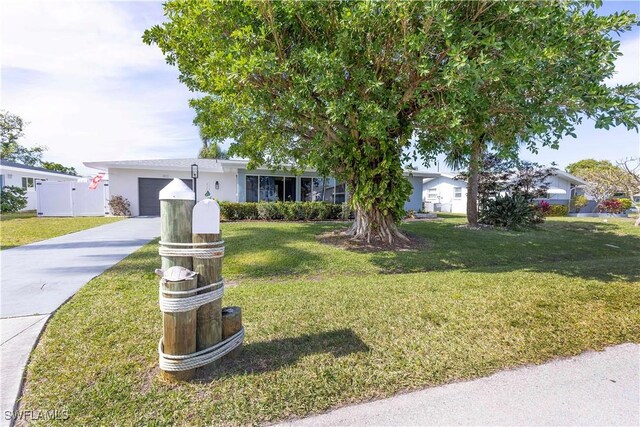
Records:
x=19, y=175
x=140, y=181
x=444, y=193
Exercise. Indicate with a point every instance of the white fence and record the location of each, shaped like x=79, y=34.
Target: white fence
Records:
x=71, y=199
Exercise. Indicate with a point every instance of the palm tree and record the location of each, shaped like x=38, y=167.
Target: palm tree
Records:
x=211, y=150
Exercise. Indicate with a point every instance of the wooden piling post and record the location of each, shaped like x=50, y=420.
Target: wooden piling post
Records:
x=209, y=330
x=176, y=210
x=231, y=324
x=176, y=207
x=206, y=229
x=179, y=329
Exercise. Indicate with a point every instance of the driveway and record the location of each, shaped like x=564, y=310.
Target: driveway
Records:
x=39, y=277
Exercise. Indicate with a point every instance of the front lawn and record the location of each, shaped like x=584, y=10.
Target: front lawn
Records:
x=17, y=229
x=328, y=327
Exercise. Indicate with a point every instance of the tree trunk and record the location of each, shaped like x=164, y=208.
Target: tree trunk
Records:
x=637, y=224
x=472, y=183
x=374, y=226
x=380, y=190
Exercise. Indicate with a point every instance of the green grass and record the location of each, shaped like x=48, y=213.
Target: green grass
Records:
x=20, y=228
x=328, y=327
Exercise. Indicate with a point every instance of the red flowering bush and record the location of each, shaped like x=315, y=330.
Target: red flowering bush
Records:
x=544, y=207
x=613, y=206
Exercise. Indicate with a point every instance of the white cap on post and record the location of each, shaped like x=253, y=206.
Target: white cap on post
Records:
x=177, y=190
x=206, y=217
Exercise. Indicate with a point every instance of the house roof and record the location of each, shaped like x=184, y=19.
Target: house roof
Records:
x=6, y=163
x=567, y=176
x=572, y=179
x=204, y=165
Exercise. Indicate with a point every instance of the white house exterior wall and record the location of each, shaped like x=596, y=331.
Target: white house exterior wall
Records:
x=124, y=182
x=445, y=194
x=561, y=183
x=12, y=176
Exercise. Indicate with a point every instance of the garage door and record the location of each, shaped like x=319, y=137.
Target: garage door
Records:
x=148, y=193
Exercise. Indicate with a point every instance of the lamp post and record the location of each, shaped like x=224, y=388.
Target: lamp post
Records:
x=194, y=177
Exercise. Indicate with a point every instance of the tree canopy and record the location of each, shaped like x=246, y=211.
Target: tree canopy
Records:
x=350, y=87
x=582, y=167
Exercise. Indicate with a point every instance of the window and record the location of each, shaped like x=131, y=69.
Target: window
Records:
x=432, y=193
x=271, y=188
x=265, y=188
x=27, y=182
x=306, y=191
x=457, y=192
x=252, y=188
x=340, y=194
x=260, y=188
x=290, y=189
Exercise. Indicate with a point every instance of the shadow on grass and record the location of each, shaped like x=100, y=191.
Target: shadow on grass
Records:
x=272, y=355
x=589, y=250
x=583, y=249
x=276, y=248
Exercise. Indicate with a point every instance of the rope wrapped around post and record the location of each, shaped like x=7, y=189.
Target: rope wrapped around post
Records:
x=191, y=300
x=192, y=250
x=200, y=358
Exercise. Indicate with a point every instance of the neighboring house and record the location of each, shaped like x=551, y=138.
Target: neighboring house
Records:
x=140, y=181
x=443, y=193
x=19, y=175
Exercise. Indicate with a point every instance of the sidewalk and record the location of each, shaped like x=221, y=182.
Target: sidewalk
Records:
x=39, y=277
x=595, y=388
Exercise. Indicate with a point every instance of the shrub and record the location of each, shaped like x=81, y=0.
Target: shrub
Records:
x=271, y=210
x=612, y=206
x=558, y=210
x=232, y=211
x=12, y=199
x=544, y=207
x=510, y=211
x=626, y=204
x=346, y=212
x=289, y=211
x=119, y=206
x=579, y=202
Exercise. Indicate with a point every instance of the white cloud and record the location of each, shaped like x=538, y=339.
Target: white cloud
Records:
x=79, y=73
x=628, y=65
x=84, y=39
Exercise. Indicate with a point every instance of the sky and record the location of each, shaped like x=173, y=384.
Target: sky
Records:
x=90, y=90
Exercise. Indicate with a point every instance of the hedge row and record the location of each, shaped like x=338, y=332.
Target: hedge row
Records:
x=558, y=210
x=285, y=211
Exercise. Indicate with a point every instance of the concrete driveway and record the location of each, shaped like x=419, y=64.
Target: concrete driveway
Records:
x=39, y=277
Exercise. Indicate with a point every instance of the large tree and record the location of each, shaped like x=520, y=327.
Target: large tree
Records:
x=581, y=167
x=348, y=87
x=533, y=77
x=57, y=167
x=11, y=130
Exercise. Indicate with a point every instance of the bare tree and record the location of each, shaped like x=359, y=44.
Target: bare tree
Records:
x=601, y=184
x=630, y=180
